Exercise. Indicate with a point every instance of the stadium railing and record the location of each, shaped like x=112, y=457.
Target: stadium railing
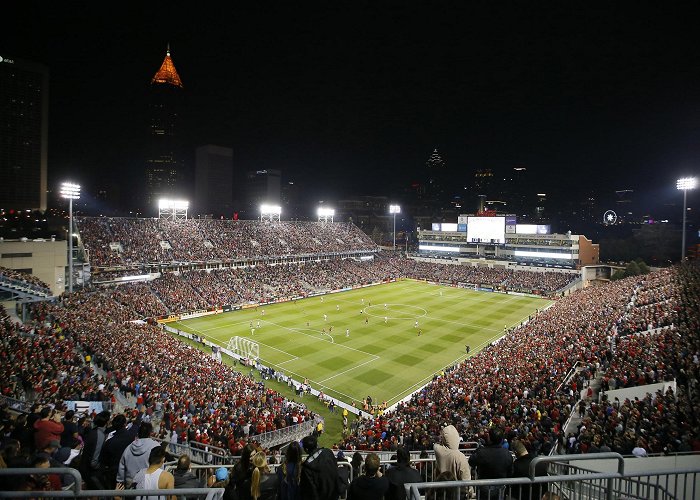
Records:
x=15, y=404
x=285, y=434
x=76, y=491
x=198, y=454
x=569, y=481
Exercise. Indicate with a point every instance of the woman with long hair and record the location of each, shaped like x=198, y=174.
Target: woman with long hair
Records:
x=241, y=473
x=289, y=473
x=263, y=484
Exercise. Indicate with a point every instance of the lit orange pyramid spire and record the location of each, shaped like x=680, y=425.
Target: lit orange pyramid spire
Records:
x=167, y=72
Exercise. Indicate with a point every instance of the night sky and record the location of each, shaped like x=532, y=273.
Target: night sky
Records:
x=352, y=99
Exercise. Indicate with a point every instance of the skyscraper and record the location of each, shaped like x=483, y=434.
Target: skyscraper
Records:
x=165, y=167
x=24, y=128
x=213, y=180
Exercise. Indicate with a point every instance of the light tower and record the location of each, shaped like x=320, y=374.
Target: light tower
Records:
x=684, y=185
x=394, y=209
x=173, y=209
x=72, y=192
x=270, y=213
x=325, y=214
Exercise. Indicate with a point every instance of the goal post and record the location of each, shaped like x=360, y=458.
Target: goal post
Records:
x=244, y=347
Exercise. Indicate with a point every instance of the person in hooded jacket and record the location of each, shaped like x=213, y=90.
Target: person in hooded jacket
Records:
x=319, y=472
x=135, y=456
x=448, y=458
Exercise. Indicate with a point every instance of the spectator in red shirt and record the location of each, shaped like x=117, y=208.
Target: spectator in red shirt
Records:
x=48, y=428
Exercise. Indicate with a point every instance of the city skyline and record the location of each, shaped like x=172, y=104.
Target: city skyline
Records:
x=344, y=104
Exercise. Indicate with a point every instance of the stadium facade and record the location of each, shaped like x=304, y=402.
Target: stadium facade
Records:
x=514, y=244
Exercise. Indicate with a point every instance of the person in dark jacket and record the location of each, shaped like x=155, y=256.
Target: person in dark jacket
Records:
x=90, y=467
x=401, y=474
x=290, y=472
x=117, y=441
x=371, y=485
x=184, y=477
x=492, y=462
x=319, y=472
x=241, y=474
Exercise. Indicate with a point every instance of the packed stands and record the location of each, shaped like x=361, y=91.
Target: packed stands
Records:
x=144, y=241
x=518, y=382
x=12, y=278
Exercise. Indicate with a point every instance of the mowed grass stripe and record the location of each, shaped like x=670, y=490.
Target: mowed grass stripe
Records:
x=384, y=360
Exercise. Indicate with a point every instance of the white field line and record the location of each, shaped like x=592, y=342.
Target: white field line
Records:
x=348, y=370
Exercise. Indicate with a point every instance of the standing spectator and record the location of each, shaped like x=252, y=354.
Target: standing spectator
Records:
x=154, y=477
x=242, y=472
x=70, y=436
x=492, y=462
x=117, y=441
x=47, y=428
x=135, y=456
x=290, y=472
x=401, y=474
x=264, y=484
x=90, y=466
x=449, y=458
x=521, y=468
x=371, y=485
x=319, y=472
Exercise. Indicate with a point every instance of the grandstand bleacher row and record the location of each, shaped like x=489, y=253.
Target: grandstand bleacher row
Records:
x=628, y=333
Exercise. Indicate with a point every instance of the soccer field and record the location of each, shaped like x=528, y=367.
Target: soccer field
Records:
x=386, y=354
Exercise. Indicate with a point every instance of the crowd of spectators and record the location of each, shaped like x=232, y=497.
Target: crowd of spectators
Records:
x=519, y=382
x=200, y=289
x=122, y=241
x=631, y=332
x=13, y=277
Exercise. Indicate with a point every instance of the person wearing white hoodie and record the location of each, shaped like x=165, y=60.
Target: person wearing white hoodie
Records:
x=449, y=458
x=135, y=456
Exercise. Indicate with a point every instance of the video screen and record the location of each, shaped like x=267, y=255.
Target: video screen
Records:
x=486, y=230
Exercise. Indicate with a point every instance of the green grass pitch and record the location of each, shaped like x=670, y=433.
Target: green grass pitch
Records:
x=384, y=358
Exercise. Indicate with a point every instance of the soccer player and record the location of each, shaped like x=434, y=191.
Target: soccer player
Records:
x=337, y=307
x=258, y=323
x=366, y=320
x=468, y=349
x=252, y=331
x=363, y=301
x=325, y=317
x=415, y=325
x=263, y=312
x=420, y=332
x=347, y=332
x=386, y=319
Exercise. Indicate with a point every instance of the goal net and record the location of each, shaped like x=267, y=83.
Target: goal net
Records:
x=244, y=347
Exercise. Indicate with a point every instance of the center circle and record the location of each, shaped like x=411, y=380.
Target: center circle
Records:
x=395, y=311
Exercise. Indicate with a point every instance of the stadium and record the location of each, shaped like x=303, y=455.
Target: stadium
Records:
x=229, y=338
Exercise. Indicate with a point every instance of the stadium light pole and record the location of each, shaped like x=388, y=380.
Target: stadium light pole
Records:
x=72, y=192
x=394, y=209
x=684, y=185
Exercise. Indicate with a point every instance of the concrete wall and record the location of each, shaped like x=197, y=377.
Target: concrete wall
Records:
x=46, y=259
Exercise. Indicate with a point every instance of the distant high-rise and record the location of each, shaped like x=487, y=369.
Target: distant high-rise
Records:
x=262, y=186
x=213, y=180
x=164, y=164
x=436, y=175
x=24, y=129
